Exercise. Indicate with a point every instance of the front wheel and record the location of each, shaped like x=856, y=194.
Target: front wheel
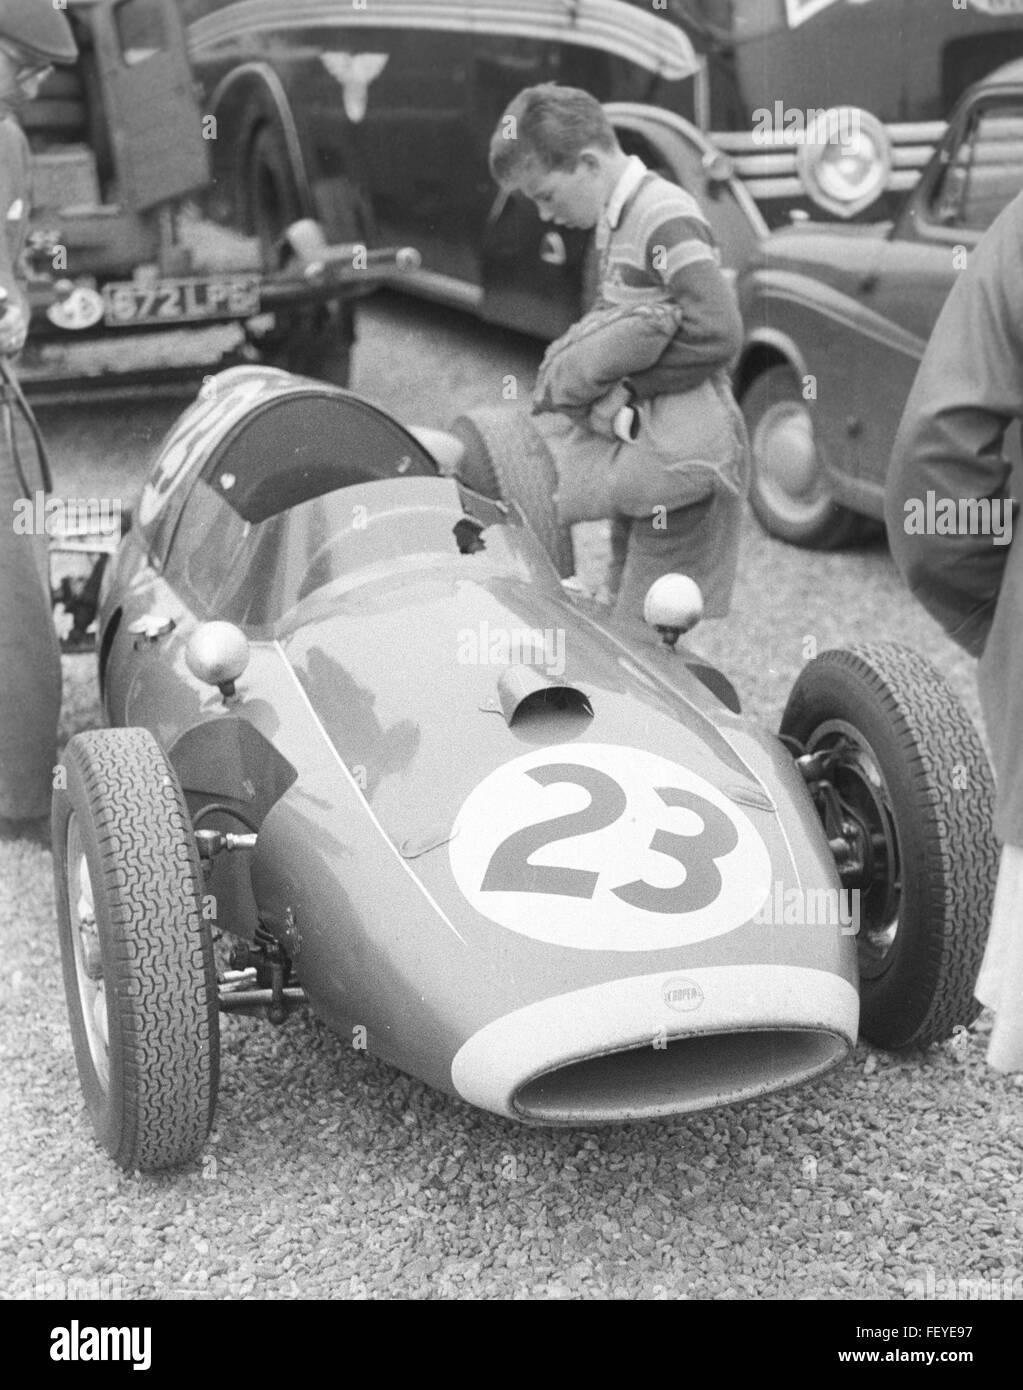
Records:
x=907, y=772
x=789, y=490
x=137, y=955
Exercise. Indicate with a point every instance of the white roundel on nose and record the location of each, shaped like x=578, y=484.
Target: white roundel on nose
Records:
x=605, y=848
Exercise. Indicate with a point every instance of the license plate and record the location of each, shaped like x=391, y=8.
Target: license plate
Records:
x=180, y=301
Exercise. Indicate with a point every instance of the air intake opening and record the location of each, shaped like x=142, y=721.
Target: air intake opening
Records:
x=695, y=1073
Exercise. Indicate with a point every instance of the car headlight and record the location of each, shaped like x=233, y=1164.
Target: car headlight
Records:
x=845, y=160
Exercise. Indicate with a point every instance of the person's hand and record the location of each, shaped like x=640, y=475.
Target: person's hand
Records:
x=601, y=418
x=13, y=329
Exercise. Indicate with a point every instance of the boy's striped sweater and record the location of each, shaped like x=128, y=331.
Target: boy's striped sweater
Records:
x=656, y=244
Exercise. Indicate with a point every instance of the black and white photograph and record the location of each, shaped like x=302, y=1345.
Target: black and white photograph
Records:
x=511, y=664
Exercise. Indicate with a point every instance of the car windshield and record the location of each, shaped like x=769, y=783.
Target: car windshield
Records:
x=985, y=172
x=255, y=574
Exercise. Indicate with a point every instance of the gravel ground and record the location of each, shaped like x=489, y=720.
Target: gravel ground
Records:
x=329, y=1174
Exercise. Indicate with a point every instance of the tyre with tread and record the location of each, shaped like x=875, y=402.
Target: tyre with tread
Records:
x=908, y=765
x=508, y=460
x=137, y=955
x=789, y=490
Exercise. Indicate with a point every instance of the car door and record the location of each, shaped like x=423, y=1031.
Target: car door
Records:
x=413, y=143
x=975, y=174
x=150, y=102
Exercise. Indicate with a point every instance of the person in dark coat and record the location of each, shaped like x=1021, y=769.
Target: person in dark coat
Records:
x=33, y=36
x=950, y=509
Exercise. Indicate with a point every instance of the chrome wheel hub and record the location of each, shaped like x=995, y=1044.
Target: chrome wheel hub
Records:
x=87, y=953
x=788, y=468
x=866, y=800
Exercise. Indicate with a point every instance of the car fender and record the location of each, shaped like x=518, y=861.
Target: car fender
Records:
x=766, y=347
x=783, y=308
x=775, y=326
x=247, y=97
x=252, y=95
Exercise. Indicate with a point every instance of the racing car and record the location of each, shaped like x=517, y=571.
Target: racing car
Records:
x=372, y=751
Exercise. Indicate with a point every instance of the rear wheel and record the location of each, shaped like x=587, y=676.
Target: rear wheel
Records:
x=907, y=771
x=139, y=973
x=789, y=490
x=507, y=459
x=313, y=339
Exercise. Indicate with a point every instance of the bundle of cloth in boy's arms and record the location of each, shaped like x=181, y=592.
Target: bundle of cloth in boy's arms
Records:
x=583, y=373
x=584, y=388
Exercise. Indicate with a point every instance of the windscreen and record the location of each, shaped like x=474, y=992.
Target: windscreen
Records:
x=342, y=540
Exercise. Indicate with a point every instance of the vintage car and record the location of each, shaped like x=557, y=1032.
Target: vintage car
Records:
x=837, y=318
x=172, y=162
x=902, y=65
x=369, y=752
x=122, y=241
x=378, y=117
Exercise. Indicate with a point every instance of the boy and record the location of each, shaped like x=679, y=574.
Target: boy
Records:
x=673, y=492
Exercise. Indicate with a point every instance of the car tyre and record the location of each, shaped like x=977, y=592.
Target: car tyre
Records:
x=910, y=763
x=312, y=340
x=507, y=460
x=789, y=491
x=137, y=954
